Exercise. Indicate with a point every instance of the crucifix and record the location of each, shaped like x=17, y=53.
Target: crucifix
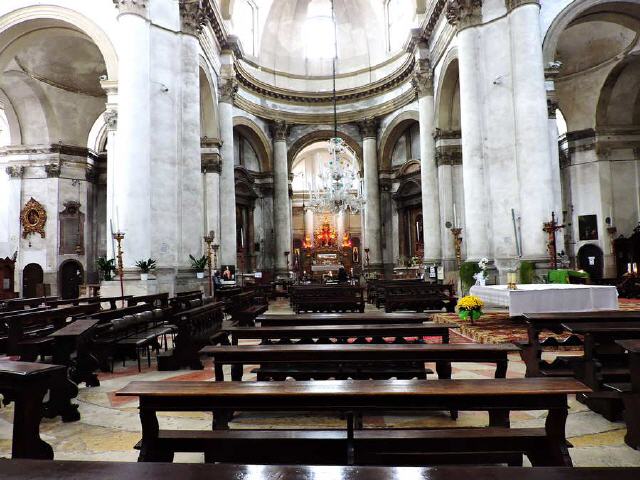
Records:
x=551, y=228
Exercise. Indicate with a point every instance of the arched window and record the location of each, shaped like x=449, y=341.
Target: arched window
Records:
x=398, y=18
x=245, y=23
x=319, y=31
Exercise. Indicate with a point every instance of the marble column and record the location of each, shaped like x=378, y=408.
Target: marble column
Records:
x=308, y=225
x=532, y=125
x=340, y=226
x=281, y=205
x=111, y=121
x=190, y=191
x=132, y=189
x=372, y=234
x=445, y=187
x=554, y=148
x=465, y=15
x=423, y=81
x=227, y=234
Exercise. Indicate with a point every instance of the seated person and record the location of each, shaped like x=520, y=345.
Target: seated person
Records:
x=342, y=275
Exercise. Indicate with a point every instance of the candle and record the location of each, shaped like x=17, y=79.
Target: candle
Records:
x=635, y=268
x=241, y=238
x=628, y=268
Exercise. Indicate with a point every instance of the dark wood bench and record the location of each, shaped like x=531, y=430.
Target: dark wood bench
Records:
x=339, y=298
x=547, y=446
x=113, y=301
x=25, y=303
x=245, y=307
x=157, y=300
x=72, y=301
x=631, y=393
x=420, y=298
x=195, y=328
x=90, y=470
x=185, y=301
x=75, y=338
x=105, y=316
x=310, y=319
x=603, y=363
x=562, y=366
x=376, y=288
x=27, y=334
x=25, y=384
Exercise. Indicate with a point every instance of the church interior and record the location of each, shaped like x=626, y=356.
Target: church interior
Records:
x=320, y=239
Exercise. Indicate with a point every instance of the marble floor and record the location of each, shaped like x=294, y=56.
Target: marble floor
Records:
x=110, y=426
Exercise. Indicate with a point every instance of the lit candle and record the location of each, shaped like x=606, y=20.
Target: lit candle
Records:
x=635, y=268
x=241, y=238
x=628, y=268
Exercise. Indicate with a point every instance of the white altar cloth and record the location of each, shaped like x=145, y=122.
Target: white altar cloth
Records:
x=541, y=298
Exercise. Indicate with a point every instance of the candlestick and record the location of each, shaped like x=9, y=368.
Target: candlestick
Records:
x=119, y=237
x=208, y=239
x=457, y=244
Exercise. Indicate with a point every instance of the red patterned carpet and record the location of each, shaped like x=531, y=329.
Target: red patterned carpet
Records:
x=498, y=327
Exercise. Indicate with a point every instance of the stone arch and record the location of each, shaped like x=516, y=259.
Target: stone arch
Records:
x=258, y=140
x=319, y=136
x=409, y=168
x=562, y=21
x=19, y=22
x=448, y=94
x=209, y=124
x=391, y=135
x=15, y=131
x=626, y=107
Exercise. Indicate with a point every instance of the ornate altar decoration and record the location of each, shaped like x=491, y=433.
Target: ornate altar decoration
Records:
x=325, y=236
x=33, y=218
x=328, y=252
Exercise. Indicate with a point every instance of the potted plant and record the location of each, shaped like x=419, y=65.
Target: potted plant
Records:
x=145, y=267
x=106, y=267
x=470, y=308
x=199, y=264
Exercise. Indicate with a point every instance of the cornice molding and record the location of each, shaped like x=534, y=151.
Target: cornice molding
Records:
x=55, y=148
x=252, y=84
x=326, y=118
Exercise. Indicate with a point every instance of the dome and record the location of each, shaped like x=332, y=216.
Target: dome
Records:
x=296, y=37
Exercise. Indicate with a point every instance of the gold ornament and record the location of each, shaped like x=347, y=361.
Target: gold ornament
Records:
x=33, y=217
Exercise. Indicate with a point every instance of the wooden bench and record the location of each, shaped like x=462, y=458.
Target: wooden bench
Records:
x=603, y=363
x=26, y=384
x=546, y=446
x=562, y=366
x=157, y=300
x=631, y=393
x=185, y=301
x=355, y=361
x=27, y=334
x=376, y=288
x=25, y=303
x=105, y=316
x=420, y=298
x=72, y=301
x=196, y=328
x=245, y=307
x=310, y=319
x=113, y=301
x=90, y=470
x=313, y=298
x=75, y=338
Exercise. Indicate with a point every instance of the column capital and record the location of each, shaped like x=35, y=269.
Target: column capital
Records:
x=368, y=127
x=135, y=7
x=423, y=78
x=552, y=107
x=192, y=16
x=15, y=172
x=111, y=119
x=279, y=130
x=464, y=13
x=513, y=4
x=228, y=89
x=53, y=170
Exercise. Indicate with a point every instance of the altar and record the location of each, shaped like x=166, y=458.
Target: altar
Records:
x=542, y=298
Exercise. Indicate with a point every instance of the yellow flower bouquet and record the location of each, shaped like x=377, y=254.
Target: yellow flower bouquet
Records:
x=470, y=307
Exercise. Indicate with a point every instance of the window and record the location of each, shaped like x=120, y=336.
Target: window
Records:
x=319, y=31
x=245, y=23
x=398, y=18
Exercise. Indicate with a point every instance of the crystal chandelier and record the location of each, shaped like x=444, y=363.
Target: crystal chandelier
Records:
x=339, y=186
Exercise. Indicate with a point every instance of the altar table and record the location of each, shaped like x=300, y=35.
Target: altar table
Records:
x=543, y=298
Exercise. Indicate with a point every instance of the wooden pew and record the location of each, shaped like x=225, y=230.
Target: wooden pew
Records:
x=314, y=298
x=25, y=384
x=185, y=300
x=546, y=446
x=631, y=393
x=28, y=331
x=72, y=301
x=24, y=303
x=157, y=300
x=90, y=470
x=310, y=319
x=245, y=307
x=355, y=361
x=603, y=361
x=376, y=288
x=419, y=297
x=196, y=328
x=538, y=322
x=113, y=301
x=105, y=316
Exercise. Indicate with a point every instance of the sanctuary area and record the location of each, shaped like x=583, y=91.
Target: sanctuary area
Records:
x=320, y=239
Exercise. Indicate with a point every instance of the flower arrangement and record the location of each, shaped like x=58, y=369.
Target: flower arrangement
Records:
x=470, y=307
x=481, y=276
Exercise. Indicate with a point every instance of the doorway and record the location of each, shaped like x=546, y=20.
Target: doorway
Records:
x=32, y=281
x=590, y=259
x=70, y=277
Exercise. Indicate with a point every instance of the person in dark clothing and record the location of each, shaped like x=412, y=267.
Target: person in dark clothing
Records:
x=342, y=275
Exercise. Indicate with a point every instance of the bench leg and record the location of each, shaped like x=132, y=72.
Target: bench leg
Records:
x=149, y=449
x=444, y=372
x=558, y=453
x=236, y=372
x=632, y=418
x=26, y=427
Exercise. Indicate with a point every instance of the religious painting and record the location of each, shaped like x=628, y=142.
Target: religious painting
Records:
x=33, y=218
x=356, y=255
x=228, y=273
x=588, y=227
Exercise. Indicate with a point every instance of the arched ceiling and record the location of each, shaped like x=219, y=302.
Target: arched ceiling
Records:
x=285, y=34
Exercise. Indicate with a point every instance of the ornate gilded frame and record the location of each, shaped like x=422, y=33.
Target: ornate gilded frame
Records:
x=33, y=218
